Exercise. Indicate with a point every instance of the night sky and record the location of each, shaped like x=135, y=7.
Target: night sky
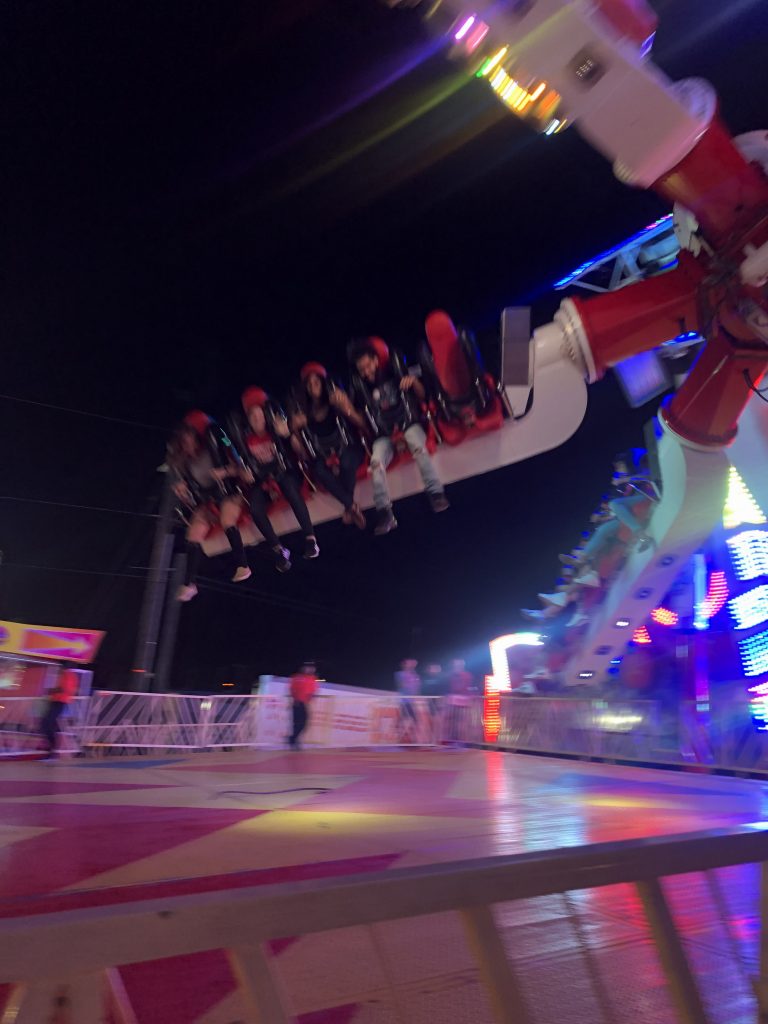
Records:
x=198, y=196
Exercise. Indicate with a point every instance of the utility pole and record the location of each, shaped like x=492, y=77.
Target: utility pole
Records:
x=170, y=626
x=155, y=590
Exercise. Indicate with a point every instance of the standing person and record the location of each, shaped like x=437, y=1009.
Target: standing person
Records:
x=408, y=683
x=303, y=689
x=205, y=476
x=321, y=422
x=460, y=687
x=391, y=398
x=60, y=696
x=265, y=450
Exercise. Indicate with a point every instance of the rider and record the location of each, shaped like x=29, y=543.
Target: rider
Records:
x=264, y=446
x=205, y=474
x=390, y=397
x=321, y=422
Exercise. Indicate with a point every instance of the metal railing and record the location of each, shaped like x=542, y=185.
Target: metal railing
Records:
x=138, y=722
x=79, y=950
x=642, y=732
x=20, y=725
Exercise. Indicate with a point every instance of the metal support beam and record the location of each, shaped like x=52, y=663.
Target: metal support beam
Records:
x=170, y=626
x=682, y=984
x=154, y=593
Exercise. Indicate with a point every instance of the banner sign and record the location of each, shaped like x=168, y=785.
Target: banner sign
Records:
x=337, y=720
x=51, y=642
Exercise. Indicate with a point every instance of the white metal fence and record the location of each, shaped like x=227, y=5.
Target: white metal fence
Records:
x=20, y=725
x=142, y=722
x=724, y=738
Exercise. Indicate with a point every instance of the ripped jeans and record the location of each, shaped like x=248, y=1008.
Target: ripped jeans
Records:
x=383, y=452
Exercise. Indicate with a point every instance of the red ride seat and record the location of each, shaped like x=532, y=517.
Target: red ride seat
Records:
x=463, y=396
x=401, y=450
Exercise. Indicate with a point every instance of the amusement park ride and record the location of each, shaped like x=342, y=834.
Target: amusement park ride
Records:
x=586, y=63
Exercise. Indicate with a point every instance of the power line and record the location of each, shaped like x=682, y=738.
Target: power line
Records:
x=83, y=412
x=277, y=600
x=76, y=572
x=85, y=508
x=206, y=583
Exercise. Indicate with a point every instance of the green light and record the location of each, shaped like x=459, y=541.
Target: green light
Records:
x=484, y=68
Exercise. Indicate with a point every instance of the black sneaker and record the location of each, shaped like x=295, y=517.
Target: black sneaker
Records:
x=385, y=521
x=282, y=559
x=311, y=550
x=439, y=502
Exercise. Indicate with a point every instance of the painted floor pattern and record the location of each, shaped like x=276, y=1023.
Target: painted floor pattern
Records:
x=82, y=833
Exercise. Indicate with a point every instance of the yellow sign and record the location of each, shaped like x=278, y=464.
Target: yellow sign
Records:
x=58, y=643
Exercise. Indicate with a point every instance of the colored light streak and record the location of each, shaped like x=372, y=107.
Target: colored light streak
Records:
x=749, y=554
x=464, y=28
x=741, y=509
x=499, y=648
x=715, y=598
x=641, y=636
x=754, y=654
x=665, y=617
x=476, y=37
x=492, y=62
x=750, y=609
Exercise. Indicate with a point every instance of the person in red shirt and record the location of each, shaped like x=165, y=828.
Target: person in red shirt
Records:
x=303, y=689
x=60, y=696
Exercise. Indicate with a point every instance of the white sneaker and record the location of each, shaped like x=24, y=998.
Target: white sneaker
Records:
x=577, y=620
x=534, y=614
x=589, y=579
x=186, y=593
x=559, y=600
x=242, y=573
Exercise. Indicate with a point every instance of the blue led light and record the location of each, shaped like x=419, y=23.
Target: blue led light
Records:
x=754, y=654
x=750, y=609
x=641, y=235
x=749, y=553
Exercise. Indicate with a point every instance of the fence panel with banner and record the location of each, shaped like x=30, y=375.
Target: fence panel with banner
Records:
x=20, y=725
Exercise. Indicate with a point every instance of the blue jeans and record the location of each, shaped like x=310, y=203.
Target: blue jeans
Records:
x=604, y=535
x=383, y=452
x=622, y=509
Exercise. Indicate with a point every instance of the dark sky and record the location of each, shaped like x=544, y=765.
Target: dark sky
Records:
x=198, y=196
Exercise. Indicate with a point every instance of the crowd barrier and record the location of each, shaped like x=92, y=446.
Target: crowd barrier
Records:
x=724, y=738
x=139, y=722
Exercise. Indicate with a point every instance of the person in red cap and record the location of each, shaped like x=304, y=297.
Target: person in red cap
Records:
x=60, y=697
x=303, y=689
x=322, y=423
x=206, y=473
x=391, y=399
x=265, y=447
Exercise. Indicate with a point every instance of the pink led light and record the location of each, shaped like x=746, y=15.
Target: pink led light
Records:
x=476, y=37
x=641, y=636
x=664, y=616
x=465, y=28
x=717, y=595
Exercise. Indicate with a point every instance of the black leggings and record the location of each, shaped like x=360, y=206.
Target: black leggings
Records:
x=49, y=726
x=342, y=487
x=291, y=489
x=300, y=715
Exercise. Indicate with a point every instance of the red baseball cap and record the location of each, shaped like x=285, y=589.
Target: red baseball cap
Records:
x=254, y=396
x=310, y=368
